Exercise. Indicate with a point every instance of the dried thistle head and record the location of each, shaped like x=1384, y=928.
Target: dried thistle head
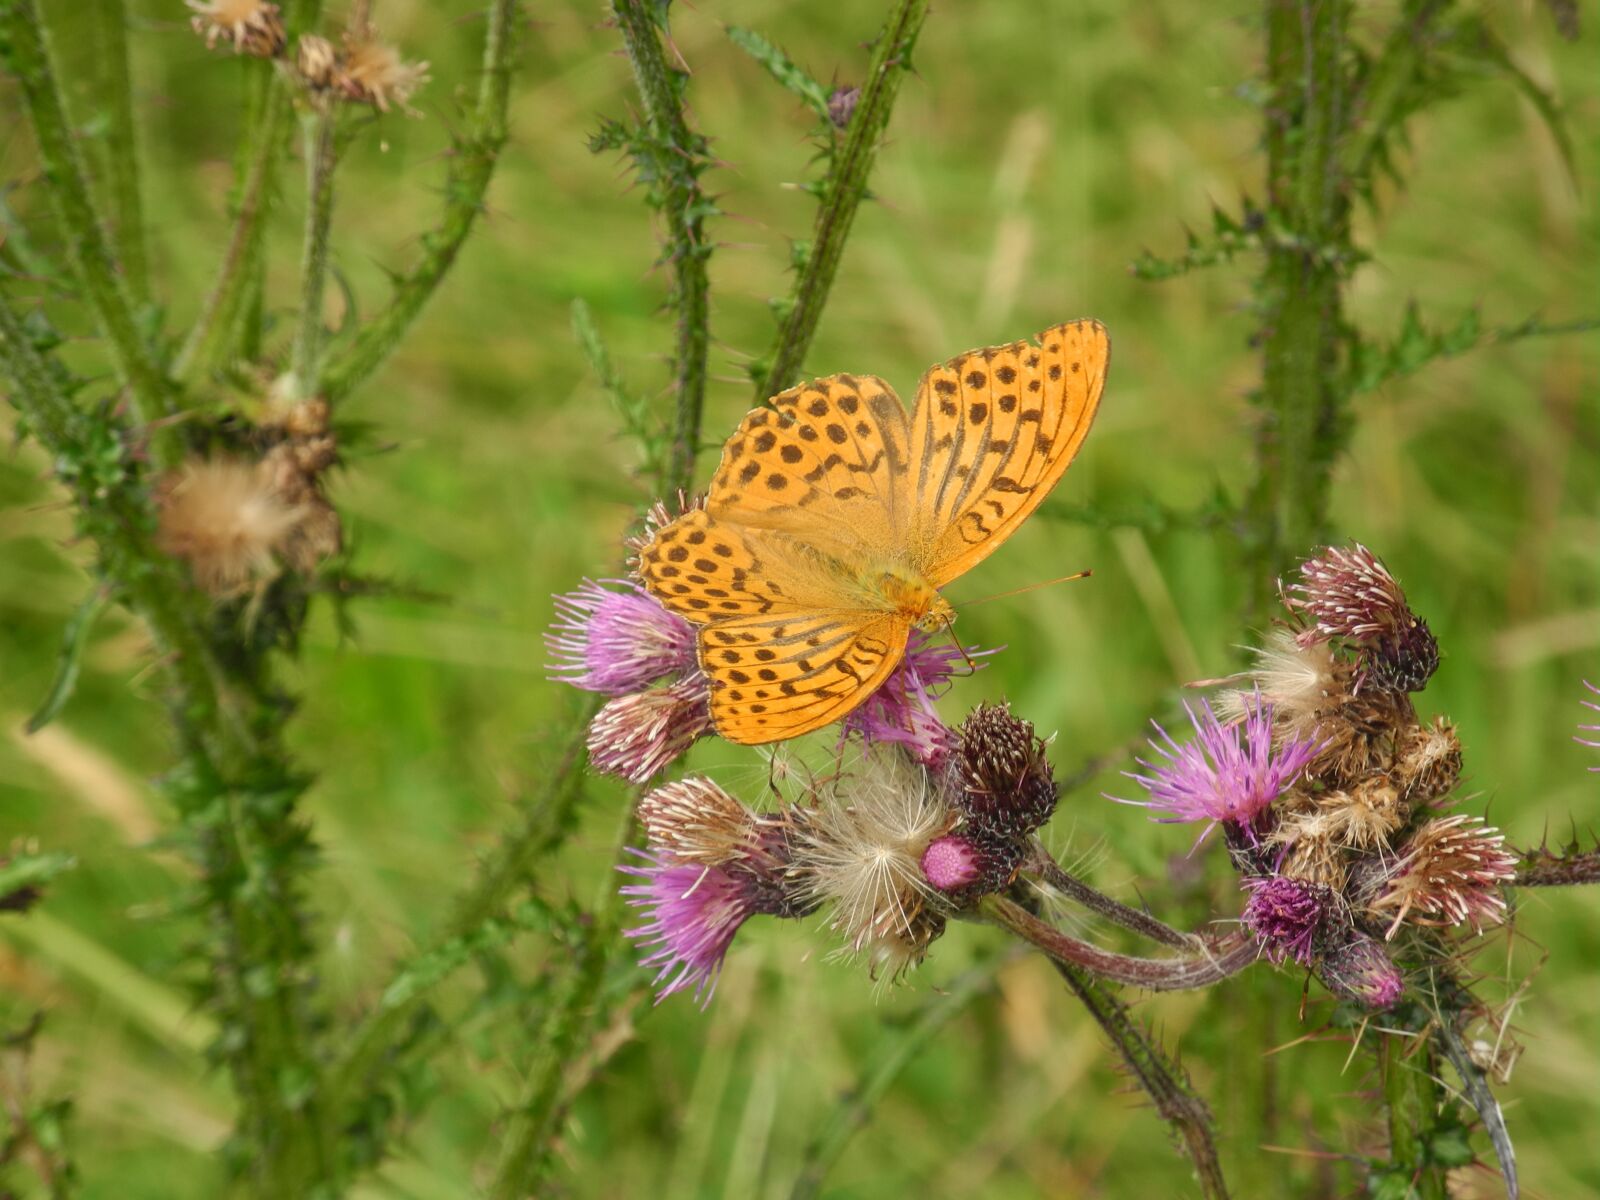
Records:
x=1303, y=684
x=316, y=61
x=1007, y=786
x=694, y=820
x=1449, y=873
x=1359, y=737
x=251, y=27
x=1363, y=817
x=1312, y=853
x=1427, y=761
x=891, y=956
x=860, y=849
x=372, y=72
x=226, y=520
x=1347, y=593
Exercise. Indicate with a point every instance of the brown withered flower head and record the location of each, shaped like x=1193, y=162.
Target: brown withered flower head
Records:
x=317, y=62
x=1449, y=873
x=1427, y=761
x=226, y=520
x=251, y=27
x=1346, y=593
x=372, y=72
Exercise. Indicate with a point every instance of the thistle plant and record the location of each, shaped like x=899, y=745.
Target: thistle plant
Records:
x=205, y=448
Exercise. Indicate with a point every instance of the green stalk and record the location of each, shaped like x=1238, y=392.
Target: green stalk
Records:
x=115, y=96
x=1164, y=1081
x=1411, y=1094
x=680, y=158
x=235, y=791
x=25, y=51
x=472, y=165
x=845, y=189
x=321, y=156
x=1304, y=392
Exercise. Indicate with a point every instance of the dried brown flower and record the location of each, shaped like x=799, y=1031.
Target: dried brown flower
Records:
x=372, y=72
x=1363, y=817
x=252, y=27
x=317, y=62
x=1359, y=737
x=1427, y=761
x=1449, y=873
x=226, y=520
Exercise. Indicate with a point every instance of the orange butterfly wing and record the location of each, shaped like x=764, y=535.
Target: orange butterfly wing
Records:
x=994, y=430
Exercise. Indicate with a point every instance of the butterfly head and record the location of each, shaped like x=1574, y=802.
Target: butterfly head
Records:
x=906, y=592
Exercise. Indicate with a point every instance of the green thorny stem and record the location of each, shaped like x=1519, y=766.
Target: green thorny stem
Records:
x=1165, y=1082
x=472, y=165
x=25, y=52
x=235, y=790
x=228, y=317
x=321, y=150
x=1412, y=1096
x=677, y=160
x=1303, y=332
x=843, y=192
x=120, y=161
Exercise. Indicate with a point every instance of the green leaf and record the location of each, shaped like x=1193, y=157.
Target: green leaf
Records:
x=782, y=68
x=1481, y=46
x=70, y=661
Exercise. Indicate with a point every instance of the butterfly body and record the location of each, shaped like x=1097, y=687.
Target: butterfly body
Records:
x=835, y=518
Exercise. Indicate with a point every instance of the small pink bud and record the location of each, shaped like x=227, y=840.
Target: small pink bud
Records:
x=951, y=863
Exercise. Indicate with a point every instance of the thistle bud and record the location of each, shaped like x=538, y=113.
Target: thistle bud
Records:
x=1006, y=785
x=1360, y=970
x=842, y=103
x=1347, y=593
x=964, y=866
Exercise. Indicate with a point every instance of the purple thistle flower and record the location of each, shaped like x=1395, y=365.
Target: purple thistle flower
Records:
x=1362, y=971
x=616, y=642
x=638, y=736
x=1285, y=915
x=1589, y=728
x=692, y=913
x=1227, y=773
x=901, y=710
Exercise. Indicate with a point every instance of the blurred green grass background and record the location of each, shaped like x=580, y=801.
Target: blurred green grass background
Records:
x=1035, y=153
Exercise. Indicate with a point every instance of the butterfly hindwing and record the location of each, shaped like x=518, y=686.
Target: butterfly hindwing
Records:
x=993, y=432
x=782, y=675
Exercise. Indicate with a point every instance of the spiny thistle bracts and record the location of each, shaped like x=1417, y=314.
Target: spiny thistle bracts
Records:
x=1346, y=593
x=1005, y=787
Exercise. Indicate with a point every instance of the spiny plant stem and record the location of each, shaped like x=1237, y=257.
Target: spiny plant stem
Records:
x=845, y=189
x=321, y=152
x=1411, y=1094
x=577, y=1013
x=679, y=160
x=115, y=97
x=472, y=165
x=1043, y=864
x=1166, y=1083
x=1220, y=959
x=24, y=50
x=1302, y=398
x=235, y=790
x=210, y=338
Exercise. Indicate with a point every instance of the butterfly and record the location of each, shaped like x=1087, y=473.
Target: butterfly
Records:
x=834, y=519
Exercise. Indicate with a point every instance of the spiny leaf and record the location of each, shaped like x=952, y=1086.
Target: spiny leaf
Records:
x=782, y=68
x=70, y=661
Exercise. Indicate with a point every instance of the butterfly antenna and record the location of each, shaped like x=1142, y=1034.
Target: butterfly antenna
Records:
x=950, y=628
x=1032, y=587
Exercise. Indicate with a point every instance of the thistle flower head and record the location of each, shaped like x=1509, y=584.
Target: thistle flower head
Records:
x=225, y=519
x=372, y=72
x=1302, y=683
x=317, y=62
x=691, y=914
x=1364, y=816
x=901, y=711
x=1007, y=786
x=861, y=849
x=250, y=26
x=637, y=736
x=1427, y=761
x=1345, y=592
x=1590, y=704
x=1286, y=915
x=617, y=639
x=1227, y=773
x=1359, y=969
x=965, y=865
x=1449, y=873
x=1360, y=736
x=695, y=821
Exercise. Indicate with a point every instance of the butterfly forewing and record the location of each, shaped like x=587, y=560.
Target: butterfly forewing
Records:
x=826, y=463
x=993, y=432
